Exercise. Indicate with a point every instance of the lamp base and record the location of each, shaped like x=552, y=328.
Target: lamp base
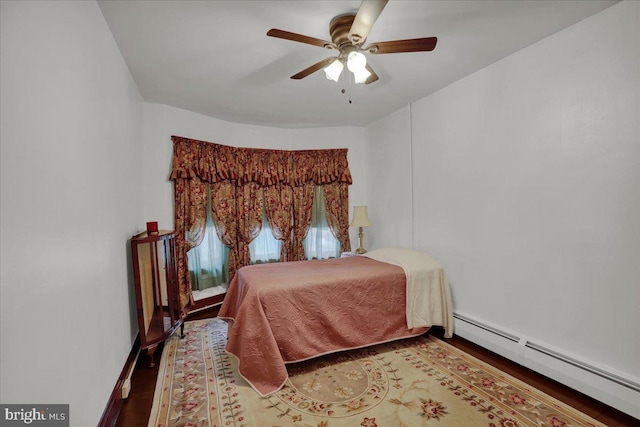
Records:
x=361, y=250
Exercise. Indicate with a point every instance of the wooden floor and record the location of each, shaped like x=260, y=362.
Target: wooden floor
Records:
x=136, y=409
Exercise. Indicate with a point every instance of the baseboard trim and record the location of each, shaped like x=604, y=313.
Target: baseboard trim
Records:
x=615, y=389
x=114, y=405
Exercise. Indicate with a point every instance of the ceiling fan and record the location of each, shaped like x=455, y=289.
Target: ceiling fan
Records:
x=348, y=35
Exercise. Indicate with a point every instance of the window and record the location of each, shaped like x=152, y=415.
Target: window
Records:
x=208, y=263
x=265, y=247
x=320, y=242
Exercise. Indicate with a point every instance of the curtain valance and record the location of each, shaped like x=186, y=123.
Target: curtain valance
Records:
x=213, y=163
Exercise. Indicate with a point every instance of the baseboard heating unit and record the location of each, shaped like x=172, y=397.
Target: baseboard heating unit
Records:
x=615, y=389
x=492, y=329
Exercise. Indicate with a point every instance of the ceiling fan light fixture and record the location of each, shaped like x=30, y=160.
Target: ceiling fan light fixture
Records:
x=349, y=31
x=361, y=76
x=356, y=62
x=334, y=70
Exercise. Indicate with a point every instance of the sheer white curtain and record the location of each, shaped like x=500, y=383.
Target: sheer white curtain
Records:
x=320, y=242
x=265, y=247
x=208, y=262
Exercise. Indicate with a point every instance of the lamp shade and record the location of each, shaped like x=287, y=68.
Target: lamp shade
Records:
x=361, y=76
x=333, y=70
x=356, y=62
x=360, y=217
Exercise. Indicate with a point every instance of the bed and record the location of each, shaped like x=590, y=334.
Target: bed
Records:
x=289, y=312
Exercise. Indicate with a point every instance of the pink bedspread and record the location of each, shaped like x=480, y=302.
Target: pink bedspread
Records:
x=288, y=312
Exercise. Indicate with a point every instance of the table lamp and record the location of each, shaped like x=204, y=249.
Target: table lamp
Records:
x=360, y=219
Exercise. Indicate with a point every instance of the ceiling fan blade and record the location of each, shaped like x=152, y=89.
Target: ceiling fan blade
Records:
x=287, y=35
x=398, y=46
x=373, y=77
x=365, y=18
x=315, y=67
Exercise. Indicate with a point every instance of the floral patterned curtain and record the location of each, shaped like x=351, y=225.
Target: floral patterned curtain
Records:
x=278, y=204
x=214, y=163
x=190, y=222
x=209, y=162
x=336, y=196
x=237, y=178
x=224, y=215
x=302, y=203
x=250, y=205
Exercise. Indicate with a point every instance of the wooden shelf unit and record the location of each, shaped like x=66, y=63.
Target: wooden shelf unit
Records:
x=156, y=285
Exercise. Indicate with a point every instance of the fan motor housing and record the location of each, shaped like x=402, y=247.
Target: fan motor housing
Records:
x=339, y=29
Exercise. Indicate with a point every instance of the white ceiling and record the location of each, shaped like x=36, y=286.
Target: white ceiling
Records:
x=214, y=58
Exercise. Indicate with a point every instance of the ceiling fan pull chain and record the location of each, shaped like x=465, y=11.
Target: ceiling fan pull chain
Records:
x=348, y=78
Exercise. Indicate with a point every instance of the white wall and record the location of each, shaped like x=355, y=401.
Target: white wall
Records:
x=71, y=187
x=161, y=122
x=526, y=186
x=389, y=191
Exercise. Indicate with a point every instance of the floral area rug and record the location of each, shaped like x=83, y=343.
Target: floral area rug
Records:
x=417, y=382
